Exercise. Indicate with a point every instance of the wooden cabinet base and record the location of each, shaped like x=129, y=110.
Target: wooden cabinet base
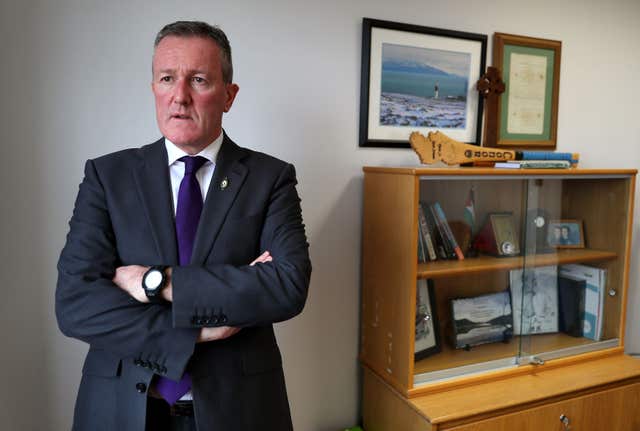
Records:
x=595, y=395
x=384, y=409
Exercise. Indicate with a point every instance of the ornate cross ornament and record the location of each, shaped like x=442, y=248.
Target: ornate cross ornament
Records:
x=491, y=86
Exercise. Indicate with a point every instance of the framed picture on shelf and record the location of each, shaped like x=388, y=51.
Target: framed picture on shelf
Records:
x=534, y=292
x=565, y=234
x=418, y=78
x=427, y=340
x=482, y=319
x=528, y=108
x=498, y=236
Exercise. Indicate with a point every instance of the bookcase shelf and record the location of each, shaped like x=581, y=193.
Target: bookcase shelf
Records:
x=451, y=358
x=474, y=265
x=413, y=383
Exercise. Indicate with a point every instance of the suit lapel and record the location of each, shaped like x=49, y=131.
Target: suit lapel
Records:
x=228, y=178
x=154, y=187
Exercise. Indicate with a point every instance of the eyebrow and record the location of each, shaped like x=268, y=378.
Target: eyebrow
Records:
x=191, y=72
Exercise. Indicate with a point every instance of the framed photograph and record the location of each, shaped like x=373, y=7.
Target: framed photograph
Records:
x=534, y=293
x=427, y=335
x=528, y=108
x=498, y=236
x=565, y=234
x=482, y=319
x=419, y=79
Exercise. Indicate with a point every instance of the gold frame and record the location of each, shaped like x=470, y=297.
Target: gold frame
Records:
x=528, y=141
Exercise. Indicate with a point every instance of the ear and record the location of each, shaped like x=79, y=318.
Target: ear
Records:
x=232, y=90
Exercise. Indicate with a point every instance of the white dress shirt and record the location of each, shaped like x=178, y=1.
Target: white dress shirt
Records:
x=203, y=175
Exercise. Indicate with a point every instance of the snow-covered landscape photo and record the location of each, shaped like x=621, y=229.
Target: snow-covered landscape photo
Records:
x=422, y=87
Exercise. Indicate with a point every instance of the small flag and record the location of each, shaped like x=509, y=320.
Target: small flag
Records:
x=470, y=211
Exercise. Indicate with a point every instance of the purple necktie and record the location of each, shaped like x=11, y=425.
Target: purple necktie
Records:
x=187, y=217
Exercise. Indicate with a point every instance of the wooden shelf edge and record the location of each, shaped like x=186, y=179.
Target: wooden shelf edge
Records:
x=550, y=384
x=493, y=376
x=475, y=265
x=423, y=170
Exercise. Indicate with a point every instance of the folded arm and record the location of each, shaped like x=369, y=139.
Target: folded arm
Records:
x=208, y=302
x=129, y=279
x=90, y=307
x=229, y=295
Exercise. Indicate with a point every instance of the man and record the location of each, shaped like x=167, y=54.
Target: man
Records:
x=180, y=256
x=565, y=239
x=556, y=238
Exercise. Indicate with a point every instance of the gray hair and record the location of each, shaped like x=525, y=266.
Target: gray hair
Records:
x=201, y=29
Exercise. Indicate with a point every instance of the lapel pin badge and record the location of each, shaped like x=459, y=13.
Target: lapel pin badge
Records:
x=224, y=183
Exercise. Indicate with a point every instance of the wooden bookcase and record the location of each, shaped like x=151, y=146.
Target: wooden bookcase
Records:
x=519, y=384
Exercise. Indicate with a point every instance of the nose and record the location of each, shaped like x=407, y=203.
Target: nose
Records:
x=181, y=94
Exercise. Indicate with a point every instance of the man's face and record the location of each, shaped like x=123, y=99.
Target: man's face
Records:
x=190, y=93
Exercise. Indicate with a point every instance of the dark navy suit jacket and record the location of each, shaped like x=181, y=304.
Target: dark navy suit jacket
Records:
x=124, y=215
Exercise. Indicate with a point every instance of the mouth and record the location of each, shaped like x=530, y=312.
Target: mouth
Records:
x=180, y=117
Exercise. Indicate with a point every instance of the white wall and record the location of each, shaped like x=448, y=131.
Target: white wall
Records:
x=74, y=83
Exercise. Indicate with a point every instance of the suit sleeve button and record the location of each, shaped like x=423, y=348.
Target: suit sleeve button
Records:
x=207, y=321
x=137, y=362
x=223, y=319
x=141, y=388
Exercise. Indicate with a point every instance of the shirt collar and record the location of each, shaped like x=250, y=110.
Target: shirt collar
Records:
x=210, y=152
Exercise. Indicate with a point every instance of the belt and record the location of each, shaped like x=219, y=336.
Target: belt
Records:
x=181, y=408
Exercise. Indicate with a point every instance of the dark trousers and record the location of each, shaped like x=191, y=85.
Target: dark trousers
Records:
x=161, y=417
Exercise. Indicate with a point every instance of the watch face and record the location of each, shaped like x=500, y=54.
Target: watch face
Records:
x=539, y=221
x=153, y=279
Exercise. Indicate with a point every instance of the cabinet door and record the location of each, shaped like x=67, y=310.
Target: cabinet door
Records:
x=615, y=409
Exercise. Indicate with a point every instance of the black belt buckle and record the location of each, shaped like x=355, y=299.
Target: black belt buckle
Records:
x=182, y=408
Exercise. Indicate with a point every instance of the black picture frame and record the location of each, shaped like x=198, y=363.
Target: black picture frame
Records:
x=426, y=306
x=424, y=42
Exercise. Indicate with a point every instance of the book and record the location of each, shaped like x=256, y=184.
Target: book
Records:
x=422, y=257
x=595, y=279
x=443, y=242
x=537, y=290
x=571, y=296
x=426, y=235
x=534, y=164
x=442, y=221
x=438, y=241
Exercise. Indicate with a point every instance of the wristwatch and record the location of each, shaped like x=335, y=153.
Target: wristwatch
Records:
x=153, y=281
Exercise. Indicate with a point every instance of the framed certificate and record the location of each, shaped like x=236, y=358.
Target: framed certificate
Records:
x=528, y=108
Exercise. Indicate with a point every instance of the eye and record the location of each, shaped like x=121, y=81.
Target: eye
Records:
x=199, y=80
x=165, y=78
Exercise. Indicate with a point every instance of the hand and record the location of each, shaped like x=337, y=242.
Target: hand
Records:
x=222, y=332
x=263, y=258
x=219, y=333
x=129, y=279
